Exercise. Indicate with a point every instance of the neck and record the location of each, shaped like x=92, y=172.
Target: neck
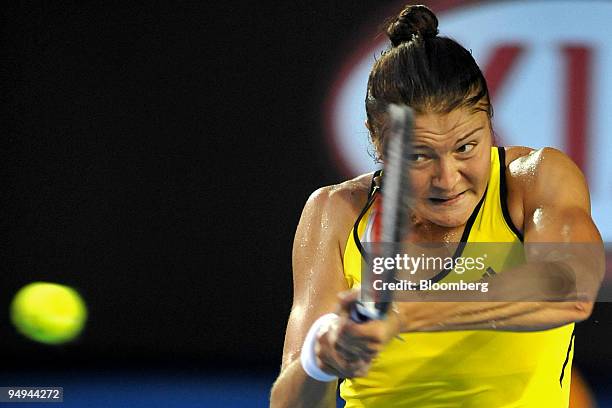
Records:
x=423, y=230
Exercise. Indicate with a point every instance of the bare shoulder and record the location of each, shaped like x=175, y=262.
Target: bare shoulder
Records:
x=331, y=211
x=343, y=200
x=516, y=153
x=527, y=167
x=324, y=226
x=539, y=176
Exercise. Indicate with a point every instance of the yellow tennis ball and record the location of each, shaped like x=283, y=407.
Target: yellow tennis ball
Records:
x=48, y=312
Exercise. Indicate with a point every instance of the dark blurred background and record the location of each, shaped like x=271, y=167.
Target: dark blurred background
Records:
x=157, y=157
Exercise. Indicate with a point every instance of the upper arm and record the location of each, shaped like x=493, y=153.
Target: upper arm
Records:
x=556, y=199
x=557, y=211
x=317, y=266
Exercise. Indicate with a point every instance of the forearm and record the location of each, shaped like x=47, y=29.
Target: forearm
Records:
x=294, y=388
x=533, y=296
x=508, y=316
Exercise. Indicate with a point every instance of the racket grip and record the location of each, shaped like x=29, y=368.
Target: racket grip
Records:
x=361, y=314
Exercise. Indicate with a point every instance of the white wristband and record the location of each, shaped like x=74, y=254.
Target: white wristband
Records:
x=308, y=358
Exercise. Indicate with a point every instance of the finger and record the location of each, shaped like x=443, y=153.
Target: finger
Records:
x=367, y=337
x=348, y=354
x=356, y=369
x=372, y=332
x=347, y=298
x=356, y=355
x=326, y=359
x=336, y=363
x=358, y=347
x=328, y=368
x=351, y=369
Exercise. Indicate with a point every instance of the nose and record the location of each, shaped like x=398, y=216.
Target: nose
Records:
x=446, y=175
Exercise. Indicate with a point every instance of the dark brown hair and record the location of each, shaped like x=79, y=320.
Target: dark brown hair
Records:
x=427, y=72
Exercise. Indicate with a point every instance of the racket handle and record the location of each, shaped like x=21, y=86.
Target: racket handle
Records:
x=360, y=313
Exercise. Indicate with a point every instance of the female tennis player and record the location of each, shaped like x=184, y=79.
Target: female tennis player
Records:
x=464, y=189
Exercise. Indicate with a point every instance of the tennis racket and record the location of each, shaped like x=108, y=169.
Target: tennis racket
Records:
x=395, y=192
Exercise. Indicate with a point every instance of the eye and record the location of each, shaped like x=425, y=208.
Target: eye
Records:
x=418, y=157
x=466, y=148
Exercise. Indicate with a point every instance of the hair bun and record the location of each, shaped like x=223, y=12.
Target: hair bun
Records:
x=413, y=20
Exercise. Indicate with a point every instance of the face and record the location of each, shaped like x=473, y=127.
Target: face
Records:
x=450, y=166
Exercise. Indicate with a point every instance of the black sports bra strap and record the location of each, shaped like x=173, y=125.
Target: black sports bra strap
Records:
x=374, y=185
x=371, y=196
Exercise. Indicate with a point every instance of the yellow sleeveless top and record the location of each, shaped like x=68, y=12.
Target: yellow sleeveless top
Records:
x=476, y=368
